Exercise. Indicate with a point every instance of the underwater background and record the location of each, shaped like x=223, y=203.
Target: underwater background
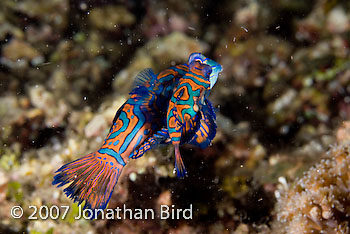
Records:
x=280, y=161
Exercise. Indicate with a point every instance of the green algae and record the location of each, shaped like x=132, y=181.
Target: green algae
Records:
x=50, y=231
x=14, y=190
x=235, y=186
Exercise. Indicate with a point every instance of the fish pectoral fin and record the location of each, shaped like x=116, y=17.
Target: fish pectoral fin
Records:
x=179, y=164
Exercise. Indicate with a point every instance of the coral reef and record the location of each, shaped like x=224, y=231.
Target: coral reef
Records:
x=319, y=202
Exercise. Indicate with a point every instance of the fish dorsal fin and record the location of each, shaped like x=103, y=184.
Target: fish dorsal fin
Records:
x=145, y=78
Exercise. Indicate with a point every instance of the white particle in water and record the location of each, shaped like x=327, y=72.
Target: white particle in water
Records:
x=245, y=29
x=132, y=176
x=347, y=99
x=83, y=6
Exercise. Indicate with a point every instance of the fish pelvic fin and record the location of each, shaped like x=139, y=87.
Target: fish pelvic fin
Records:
x=160, y=137
x=91, y=179
x=179, y=164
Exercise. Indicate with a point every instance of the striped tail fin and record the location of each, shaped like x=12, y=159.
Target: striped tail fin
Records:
x=92, y=179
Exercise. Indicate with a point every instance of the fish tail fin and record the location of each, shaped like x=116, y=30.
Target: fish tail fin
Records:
x=179, y=164
x=91, y=179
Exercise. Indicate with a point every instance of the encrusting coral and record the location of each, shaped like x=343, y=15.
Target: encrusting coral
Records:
x=319, y=202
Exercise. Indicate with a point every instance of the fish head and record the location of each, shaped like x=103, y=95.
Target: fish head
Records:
x=216, y=68
x=196, y=62
x=196, y=56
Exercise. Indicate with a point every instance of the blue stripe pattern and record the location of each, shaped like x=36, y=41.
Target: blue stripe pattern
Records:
x=112, y=153
x=137, y=144
x=125, y=121
x=132, y=134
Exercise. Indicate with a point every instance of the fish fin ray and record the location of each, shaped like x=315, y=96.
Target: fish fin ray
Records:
x=91, y=179
x=160, y=137
x=145, y=78
x=179, y=164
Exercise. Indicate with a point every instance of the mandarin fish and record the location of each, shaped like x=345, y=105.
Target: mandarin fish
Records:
x=184, y=118
x=206, y=130
x=139, y=125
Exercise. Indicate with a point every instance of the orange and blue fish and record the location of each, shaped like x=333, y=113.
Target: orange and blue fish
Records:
x=184, y=118
x=171, y=106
